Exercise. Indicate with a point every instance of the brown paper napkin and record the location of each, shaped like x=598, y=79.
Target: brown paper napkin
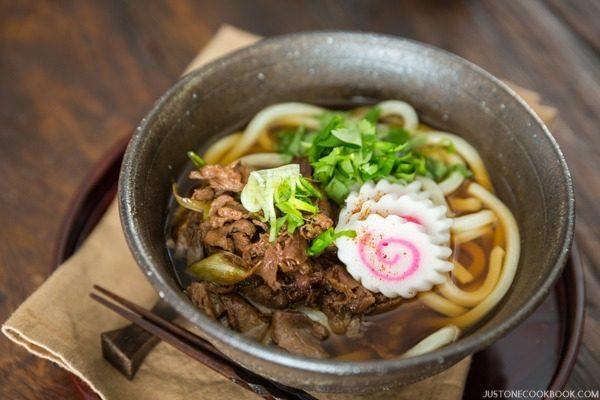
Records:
x=59, y=322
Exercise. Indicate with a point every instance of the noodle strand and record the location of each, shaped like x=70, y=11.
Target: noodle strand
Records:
x=469, y=299
x=467, y=236
x=470, y=204
x=511, y=260
x=441, y=305
x=436, y=340
x=405, y=110
x=265, y=118
x=215, y=152
x=265, y=160
x=461, y=273
x=265, y=141
x=478, y=258
x=451, y=183
x=472, y=221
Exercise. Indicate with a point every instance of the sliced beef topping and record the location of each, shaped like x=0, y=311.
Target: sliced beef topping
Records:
x=305, y=168
x=256, y=251
x=260, y=225
x=283, y=275
x=303, y=287
x=187, y=236
x=345, y=299
x=293, y=253
x=244, y=317
x=287, y=253
x=298, y=334
x=228, y=178
x=228, y=225
x=333, y=306
x=203, y=193
x=315, y=225
x=384, y=304
x=268, y=266
x=327, y=209
x=225, y=209
x=242, y=232
x=218, y=238
x=244, y=226
x=205, y=299
x=260, y=293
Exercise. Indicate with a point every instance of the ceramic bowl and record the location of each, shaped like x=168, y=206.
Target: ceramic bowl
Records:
x=527, y=168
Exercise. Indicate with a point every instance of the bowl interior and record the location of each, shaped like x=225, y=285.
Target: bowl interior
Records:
x=526, y=166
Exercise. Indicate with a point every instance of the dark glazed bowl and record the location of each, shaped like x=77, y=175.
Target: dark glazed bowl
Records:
x=527, y=168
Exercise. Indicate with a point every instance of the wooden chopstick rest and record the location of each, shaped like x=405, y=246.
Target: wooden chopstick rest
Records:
x=126, y=348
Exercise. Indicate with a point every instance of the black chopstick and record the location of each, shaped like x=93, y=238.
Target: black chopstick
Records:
x=197, y=348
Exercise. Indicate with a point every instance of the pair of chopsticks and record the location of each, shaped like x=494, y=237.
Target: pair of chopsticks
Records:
x=197, y=348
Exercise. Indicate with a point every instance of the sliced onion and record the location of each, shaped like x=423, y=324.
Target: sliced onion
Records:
x=191, y=204
x=223, y=268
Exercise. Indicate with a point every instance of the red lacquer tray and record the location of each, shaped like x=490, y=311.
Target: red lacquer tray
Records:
x=539, y=354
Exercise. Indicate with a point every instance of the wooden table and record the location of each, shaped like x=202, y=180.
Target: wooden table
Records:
x=77, y=76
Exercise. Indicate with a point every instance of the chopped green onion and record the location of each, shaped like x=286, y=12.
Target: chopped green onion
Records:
x=325, y=239
x=462, y=169
x=306, y=187
x=303, y=205
x=290, y=142
x=196, y=159
x=348, y=134
x=344, y=153
x=373, y=115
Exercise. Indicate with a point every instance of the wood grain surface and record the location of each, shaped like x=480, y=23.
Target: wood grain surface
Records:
x=75, y=76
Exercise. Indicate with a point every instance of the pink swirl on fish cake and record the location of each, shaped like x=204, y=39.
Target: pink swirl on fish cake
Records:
x=385, y=266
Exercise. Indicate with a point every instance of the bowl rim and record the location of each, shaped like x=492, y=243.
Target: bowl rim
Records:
x=271, y=354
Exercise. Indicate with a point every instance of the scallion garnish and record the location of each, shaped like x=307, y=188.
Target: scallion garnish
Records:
x=346, y=153
x=325, y=239
x=196, y=159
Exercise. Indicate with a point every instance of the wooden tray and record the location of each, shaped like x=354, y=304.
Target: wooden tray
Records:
x=539, y=354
